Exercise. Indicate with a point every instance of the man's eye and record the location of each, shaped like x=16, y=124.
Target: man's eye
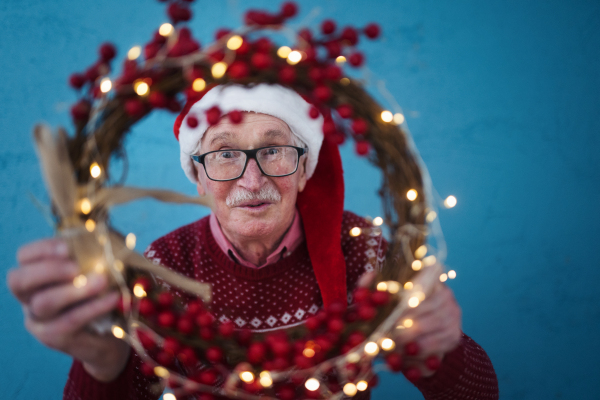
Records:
x=272, y=151
x=228, y=154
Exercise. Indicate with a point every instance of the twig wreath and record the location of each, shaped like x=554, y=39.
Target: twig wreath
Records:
x=332, y=354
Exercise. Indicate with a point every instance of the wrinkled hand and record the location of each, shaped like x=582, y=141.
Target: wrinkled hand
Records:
x=57, y=312
x=436, y=326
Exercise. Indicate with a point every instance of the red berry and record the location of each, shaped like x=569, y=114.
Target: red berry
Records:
x=173, y=105
x=253, y=387
x=349, y=34
x=411, y=349
x=333, y=72
x=217, y=55
x=287, y=74
x=362, y=147
x=76, y=80
x=193, y=308
x=305, y=34
x=336, y=308
x=226, y=329
x=185, y=325
x=208, y=377
x=157, y=100
x=238, y=70
x=280, y=363
x=334, y=49
x=380, y=298
x=171, y=345
x=289, y=9
x=350, y=316
x=256, y=352
x=433, y=362
x=81, y=110
x=236, y=116
x=192, y=121
x=263, y=45
x=213, y=115
x=146, y=307
x=328, y=27
x=243, y=49
x=165, y=299
x=313, y=112
x=151, y=50
x=92, y=73
x=336, y=325
x=366, y=312
x=337, y=138
x=312, y=323
x=356, y=59
x=214, y=354
x=166, y=319
x=280, y=348
x=178, y=13
x=165, y=358
x=244, y=336
x=222, y=32
x=345, y=110
x=322, y=93
x=261, y=60
x=144, y=283
x=207, y=334
x=147, y=342
x=134, y=107
x=328, y=127
x=147, y=369
x=205, y=319
x=286, y=392
x=372, y=31
x=310, y=54
x=315, y=74
x=356, y=338
x=362, y=296
x=394, y=361
x=206, y=396
x=413, y=374
x=302, y=362
x=360, y=126
x=107, y=52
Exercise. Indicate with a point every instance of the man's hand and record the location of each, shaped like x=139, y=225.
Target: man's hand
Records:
x=436, y=326
x=57, y=312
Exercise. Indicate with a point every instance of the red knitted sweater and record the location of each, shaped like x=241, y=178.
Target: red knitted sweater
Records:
x=277, y=296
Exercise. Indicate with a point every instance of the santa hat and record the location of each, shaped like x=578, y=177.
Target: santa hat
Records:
x=320, y=203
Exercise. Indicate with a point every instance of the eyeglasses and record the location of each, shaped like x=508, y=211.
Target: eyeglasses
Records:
x=230, y=164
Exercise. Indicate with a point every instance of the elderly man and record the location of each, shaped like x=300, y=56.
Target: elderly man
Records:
x=271, y=250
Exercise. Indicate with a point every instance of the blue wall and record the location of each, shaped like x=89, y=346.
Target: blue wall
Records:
x=503, y=101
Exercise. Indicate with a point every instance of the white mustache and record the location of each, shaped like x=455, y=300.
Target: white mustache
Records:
x=241, y=195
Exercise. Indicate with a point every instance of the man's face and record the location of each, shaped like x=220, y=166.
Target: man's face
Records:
x=253, y=219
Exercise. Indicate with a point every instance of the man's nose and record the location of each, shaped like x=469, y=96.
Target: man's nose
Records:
x=252, y=179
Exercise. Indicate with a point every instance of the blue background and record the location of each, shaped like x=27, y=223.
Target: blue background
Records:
x=503, y=101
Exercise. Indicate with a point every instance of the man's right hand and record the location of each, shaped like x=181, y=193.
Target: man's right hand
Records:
x=57, y=313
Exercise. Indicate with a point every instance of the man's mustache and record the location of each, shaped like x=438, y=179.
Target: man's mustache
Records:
x=240, y=195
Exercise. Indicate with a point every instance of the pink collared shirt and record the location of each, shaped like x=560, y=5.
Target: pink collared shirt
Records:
x=292, y=238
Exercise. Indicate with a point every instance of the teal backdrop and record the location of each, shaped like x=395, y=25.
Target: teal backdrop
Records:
x=502, y=98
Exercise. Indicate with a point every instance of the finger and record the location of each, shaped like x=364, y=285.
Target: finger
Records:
x=427, y=324
x=48, y=303
x=23, y=282
x=58, y=332
x=436, y=300
x=41, y=249
x=439, y=342
x=366, y=279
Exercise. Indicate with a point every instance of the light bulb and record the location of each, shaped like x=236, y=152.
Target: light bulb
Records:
x=134, y=52
x=247, y=376
x=90, y=225
x=356, y=231
x=416, y=265
x=294, y=57
x=450, y=202
x=118, y=332
x=349, y=389
x=398, y=118
x=411, y=195
x=165, y=29
x=198, y=85
x=105, y=85
x=452, y=274
x=377, y=221
x=387, y=116
x=312, y=384
x=130, y=241
x=235, y=42
x=218, y=69
x=284, y=51
x=371, y=348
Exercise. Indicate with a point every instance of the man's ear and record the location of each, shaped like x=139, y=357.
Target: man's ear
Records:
x=199, y=186
x=302, y=170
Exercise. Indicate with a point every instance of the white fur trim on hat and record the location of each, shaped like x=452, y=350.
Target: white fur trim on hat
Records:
x=274, y=100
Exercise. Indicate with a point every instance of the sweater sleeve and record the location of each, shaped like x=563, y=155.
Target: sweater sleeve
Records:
x=466, y=373
x=131, y=384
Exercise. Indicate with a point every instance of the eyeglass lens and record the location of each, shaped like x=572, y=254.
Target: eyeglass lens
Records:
x=229, y=164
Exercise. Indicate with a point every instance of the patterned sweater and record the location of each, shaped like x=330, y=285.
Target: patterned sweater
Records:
x=276, y=296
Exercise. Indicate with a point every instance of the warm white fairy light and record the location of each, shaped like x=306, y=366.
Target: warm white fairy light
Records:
x=387, y=344
x=349, y=389
x=362, y=386
x=353, y=358
x=308, y=353
x=450, y=202
x=429, y=261
x=382, y=286
x=247, y=376
x=356, y=231
x=105, y=85
x=387, y=116
x=118, y=332
x=377, y=221
x=407, y=323
x=340, y=59
x=416, y=265
x=134, y=52
x=141, y=87
x=452, y=274
x=312, y=384
x=431, y=216
x=443, y=277
x=80, y=281
x=95, y=170
x=169, y=396
x=284, y=51
x=218, y=69
x=235, y=42
x=371, y=348
x=119, y=266
x=408, y=285
x=420, y=296
x=412, y=195
x=294, y=57
x=165, y=29
x=413, y=302
x=198, y=85
x=399, y=118
x=393, y=287
x=421, y=251
x=85, y=206
x=345, y=81
x=130, y=240
x=265, y=379
x=138, y=290
x=99, y=268
x=161, y=372
x=90, y=225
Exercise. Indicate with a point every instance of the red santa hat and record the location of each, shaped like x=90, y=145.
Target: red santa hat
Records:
x=321, y=202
